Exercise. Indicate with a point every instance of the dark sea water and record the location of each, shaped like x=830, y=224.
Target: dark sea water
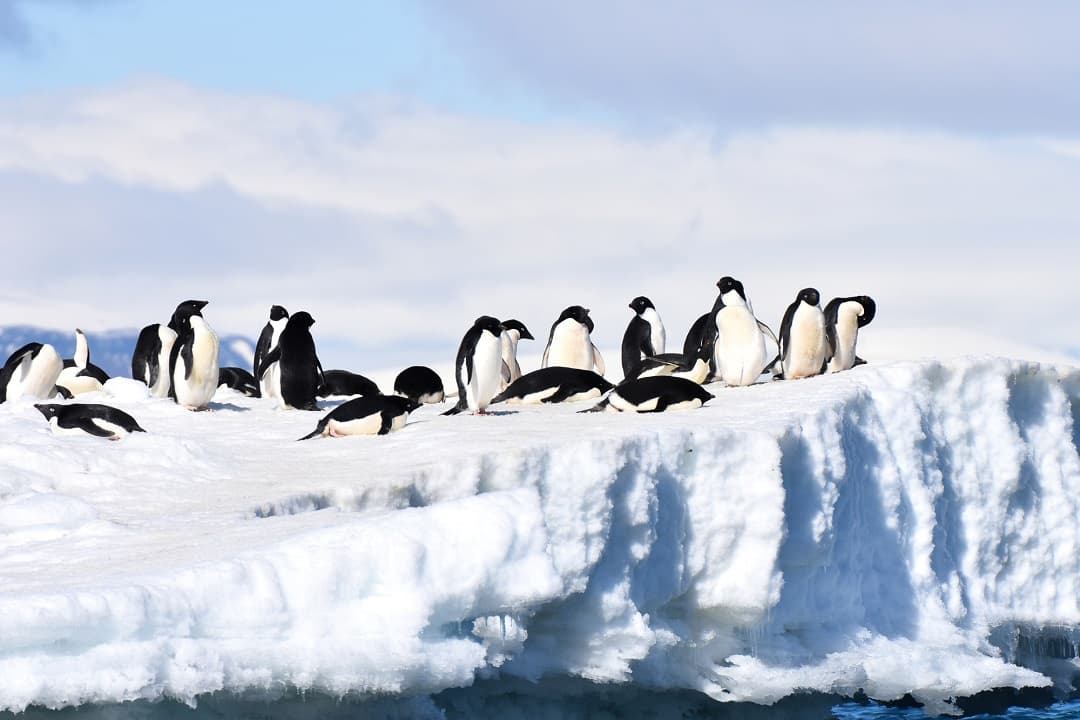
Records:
x=488, y=703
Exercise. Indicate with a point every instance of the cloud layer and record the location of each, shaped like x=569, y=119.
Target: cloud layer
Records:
x=395, y=224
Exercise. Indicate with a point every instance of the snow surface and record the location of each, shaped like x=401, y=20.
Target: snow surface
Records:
x=903, y=528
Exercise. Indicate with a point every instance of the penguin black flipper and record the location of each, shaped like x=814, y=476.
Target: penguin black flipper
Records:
x=262, y=349
x=273, y=357
x=386, y=422
x=174, y=355
x=88, y=425
x=598, y=407
x=785, y=326
x=695, y=335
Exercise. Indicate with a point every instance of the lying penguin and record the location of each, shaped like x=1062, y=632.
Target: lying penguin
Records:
x=91, y=419
x=554, y=385
x=366, y=415
x=654, y=394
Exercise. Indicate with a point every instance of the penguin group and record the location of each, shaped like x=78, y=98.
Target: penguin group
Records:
x=727, y=346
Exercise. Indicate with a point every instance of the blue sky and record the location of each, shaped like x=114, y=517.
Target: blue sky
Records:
x=397, y=168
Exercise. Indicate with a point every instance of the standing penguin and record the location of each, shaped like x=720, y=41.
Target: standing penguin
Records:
x=739, y=355
x=478, y=368
x=79, y=374
x=31, y=371
x=301, y=371
x=268, y=340
x=153, y=350
x=513, y=332
x=803, y=343
x=843, y=318
x=193, y=363
x=570, y=342
x=644, y=336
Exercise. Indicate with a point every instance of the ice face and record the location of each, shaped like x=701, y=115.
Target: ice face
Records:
x=893, y=529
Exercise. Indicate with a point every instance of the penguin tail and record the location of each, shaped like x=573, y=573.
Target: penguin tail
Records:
x=317, y=431
x=598, y=407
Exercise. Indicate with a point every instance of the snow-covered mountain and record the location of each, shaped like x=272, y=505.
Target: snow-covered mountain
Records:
x=111, y=350
x=903, y=528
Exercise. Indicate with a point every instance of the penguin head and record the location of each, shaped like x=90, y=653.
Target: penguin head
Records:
x=869, y=309
x=810, y=296
x=302, y=319
x=49, y=410
x=640, y=304
x=190, y=308
x=489, y=324
x=411, y=404
x=278, y=313
x=577, y=313
x=523, y=332
x=729, y=284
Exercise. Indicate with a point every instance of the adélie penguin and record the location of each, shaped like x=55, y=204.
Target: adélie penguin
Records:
x=301, y=371
x=420, y=383
x=644, y=336
x=740, y=353
x=238, y=379
x=695, y=366
x=514, y=331
x=270, y=386
x=31, y=371
x=150, y=360
x=654, y=394
x=554, y=385
x=91, y=419
x=843, y=318
x=79, y=374
x=193, y=363
x=366, y=415
x=478, y=367
x=343, y=382
x=803, y=342
x=570, y=342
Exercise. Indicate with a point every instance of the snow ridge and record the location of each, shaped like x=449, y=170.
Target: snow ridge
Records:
x=897, y=529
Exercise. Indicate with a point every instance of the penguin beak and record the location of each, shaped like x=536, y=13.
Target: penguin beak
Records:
x=527, y=335
x=202, y=303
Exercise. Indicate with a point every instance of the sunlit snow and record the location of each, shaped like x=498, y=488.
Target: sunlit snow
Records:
x=898, y=528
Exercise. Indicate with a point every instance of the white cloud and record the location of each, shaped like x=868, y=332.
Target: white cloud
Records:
x=395, y=225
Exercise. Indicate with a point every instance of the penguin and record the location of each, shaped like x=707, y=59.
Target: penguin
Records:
x=97, y=420
x=268, y=340
x=654, y=394
x=421, y=384
x=843, y=318
x=31, y=371
x=554, y=385
x=514, y=331
x=79, y=374
x=695, y=336
x=366, y=415
x=740, y=354
x=804, y=345
x=570, y=342
x=343, y=382
x=238, y=379
x=478, y=366
x=644, y=336
x=695, y=366
x=150, y=360
x=298, y=362
x=193, y=362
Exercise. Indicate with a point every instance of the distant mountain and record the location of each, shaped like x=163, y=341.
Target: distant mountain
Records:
x=111, y=350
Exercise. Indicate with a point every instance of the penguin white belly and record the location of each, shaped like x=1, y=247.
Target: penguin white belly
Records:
x=116, y=431
x=534, y=398
x=367, y=425
x=656, y=330
x=740, y=347
x=487, y=372
x=618, y=402
x=684, y=405
x=77, y=384
x=509, y=343
x=699, y=373
x=570, y=347
x=805, y=351
x=847, y=334
x=167, y=336
x=585, y=395
x=196, y=390
x=36, y=377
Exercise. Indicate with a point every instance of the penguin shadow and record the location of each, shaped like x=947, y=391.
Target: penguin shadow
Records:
x=498, y=413
x=215, y=406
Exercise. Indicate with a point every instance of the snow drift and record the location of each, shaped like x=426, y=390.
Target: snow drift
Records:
x=909, y=528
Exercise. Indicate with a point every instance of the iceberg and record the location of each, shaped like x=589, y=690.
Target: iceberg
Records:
x=902, y=529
